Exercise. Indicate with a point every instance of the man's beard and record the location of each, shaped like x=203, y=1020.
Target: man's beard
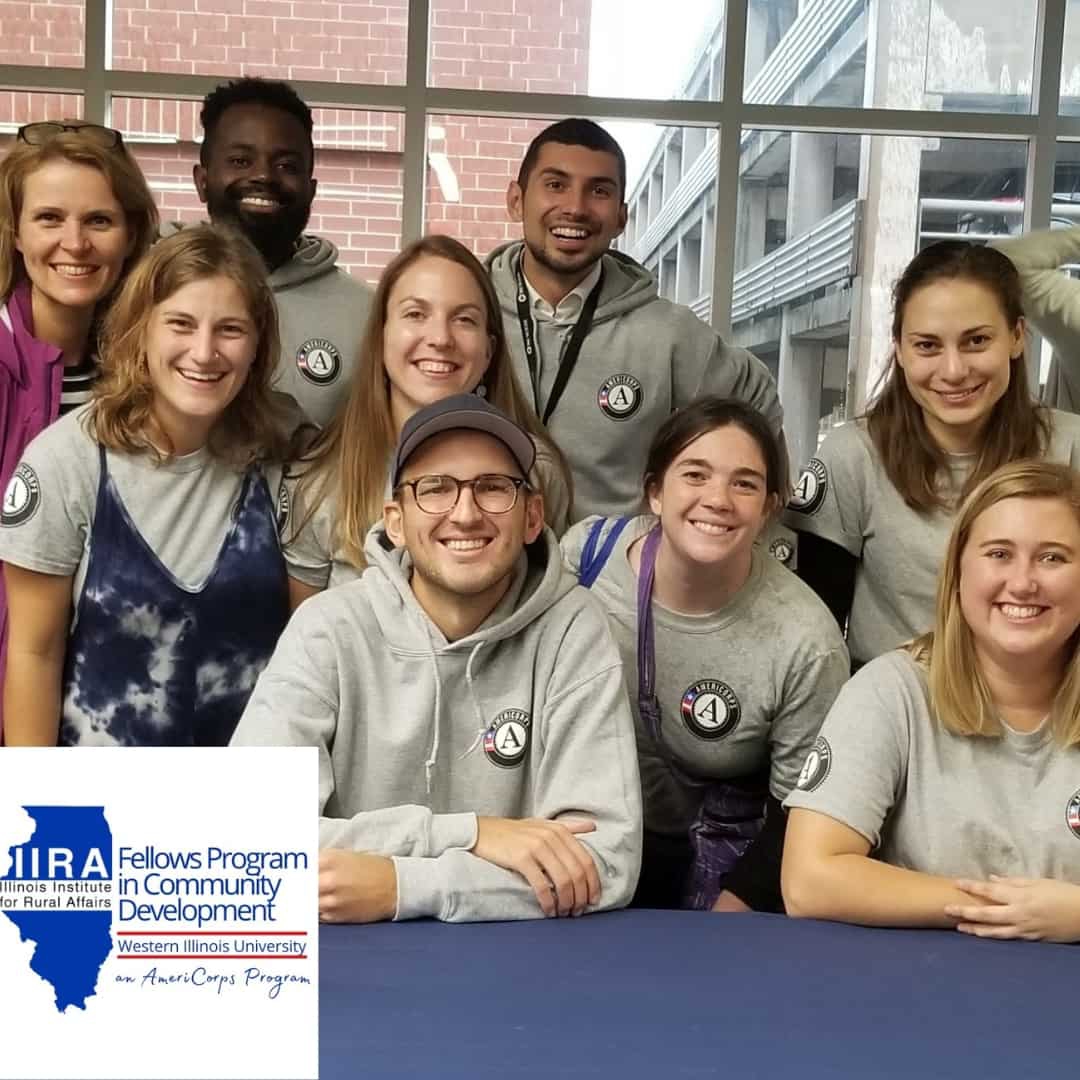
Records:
x=274, y=235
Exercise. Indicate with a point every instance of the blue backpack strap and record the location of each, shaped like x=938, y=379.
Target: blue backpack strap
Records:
x=592, y=561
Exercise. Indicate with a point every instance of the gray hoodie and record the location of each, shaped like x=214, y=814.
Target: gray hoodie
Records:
x=643, y=358
x=525, y=717
x=322, y=311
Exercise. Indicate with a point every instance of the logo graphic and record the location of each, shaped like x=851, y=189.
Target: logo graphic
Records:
x=810, y=491
x=319, y=361
x=1072, y=814
x=620, y=397
x=284, y=505
x=22, y=497
x=816, y=768
x=781, y=550
x=57, y=889
x=710, y=709
x=506, y=741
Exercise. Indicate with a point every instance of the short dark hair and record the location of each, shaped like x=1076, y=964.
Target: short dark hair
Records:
x=252, y=91
x=707, y=414
x=574, y=132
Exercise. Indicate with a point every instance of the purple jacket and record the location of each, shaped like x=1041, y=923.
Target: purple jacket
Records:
x=31, y=378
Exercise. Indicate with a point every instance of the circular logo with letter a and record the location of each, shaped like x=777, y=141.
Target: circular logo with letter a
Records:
x=506, y=741
x=781, y=550
x=620, y=397
x=319, y=361
x=816, y=768
x=710, y=709
x=22, y=497
x=1072, y=815
x=809, y=492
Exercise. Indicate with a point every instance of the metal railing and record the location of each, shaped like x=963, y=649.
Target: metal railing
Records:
x=691, y=186
x=827, y=253
x=815, y=25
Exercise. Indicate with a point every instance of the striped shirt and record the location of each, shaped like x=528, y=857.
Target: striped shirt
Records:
x=78, y=381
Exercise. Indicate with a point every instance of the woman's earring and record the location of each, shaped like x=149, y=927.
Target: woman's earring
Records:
x=481, y=391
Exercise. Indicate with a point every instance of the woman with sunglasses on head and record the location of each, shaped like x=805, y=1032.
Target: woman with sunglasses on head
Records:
x=75, y=215
x=140, y=540
x=944, y=789
x=435, y=330
x=873, y=509
x=731, y=661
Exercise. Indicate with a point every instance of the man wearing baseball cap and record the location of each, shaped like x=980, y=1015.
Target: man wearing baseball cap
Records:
x=477, y=754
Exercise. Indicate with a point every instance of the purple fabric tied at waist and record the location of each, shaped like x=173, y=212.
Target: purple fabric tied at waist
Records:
x=726, y=823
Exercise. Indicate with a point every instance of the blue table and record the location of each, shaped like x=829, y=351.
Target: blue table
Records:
x=658, y=995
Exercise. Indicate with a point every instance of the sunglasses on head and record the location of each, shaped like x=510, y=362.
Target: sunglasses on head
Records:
x=39, y=133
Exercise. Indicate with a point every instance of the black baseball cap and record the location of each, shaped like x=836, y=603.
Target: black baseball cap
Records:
x=463, y=412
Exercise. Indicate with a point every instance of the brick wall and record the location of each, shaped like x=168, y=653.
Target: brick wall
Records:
x=530, y=45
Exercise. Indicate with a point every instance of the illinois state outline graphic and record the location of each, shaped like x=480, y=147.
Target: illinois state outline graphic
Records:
x=69, y=945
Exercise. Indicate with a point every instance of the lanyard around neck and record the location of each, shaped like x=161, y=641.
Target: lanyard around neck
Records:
x=569, y=354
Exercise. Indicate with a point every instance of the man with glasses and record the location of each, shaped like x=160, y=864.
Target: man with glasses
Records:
x=477, y=754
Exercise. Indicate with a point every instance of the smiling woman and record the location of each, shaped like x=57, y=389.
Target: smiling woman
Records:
x=78, y=214
x=435, y=330
x=955, y=759
x=874, y=507
x=736, y=660
x=145, y=578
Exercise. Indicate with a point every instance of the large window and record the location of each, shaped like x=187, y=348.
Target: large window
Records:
x=785, y=156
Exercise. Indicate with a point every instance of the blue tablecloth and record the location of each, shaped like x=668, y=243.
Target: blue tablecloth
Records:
x=662, y=994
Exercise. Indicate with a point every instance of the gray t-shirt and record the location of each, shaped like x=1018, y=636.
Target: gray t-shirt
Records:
x=741, y=689
x=928, y=800
x=844, y=496
x=182, y=508
x=314, y=558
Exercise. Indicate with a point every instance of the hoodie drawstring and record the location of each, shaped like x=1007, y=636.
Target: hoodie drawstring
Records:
x=482, y=728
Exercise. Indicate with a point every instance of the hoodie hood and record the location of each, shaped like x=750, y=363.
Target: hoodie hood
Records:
x=627, y=285
x=314, y=256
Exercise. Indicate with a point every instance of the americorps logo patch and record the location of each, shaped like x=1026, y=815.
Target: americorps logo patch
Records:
x=817, y=765
x=809, y=492
x=506, y=741
x=620, y=397
x=319, y=361
x=22, y=496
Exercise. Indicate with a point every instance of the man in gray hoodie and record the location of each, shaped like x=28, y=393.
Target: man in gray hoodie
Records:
x=477, y=754
x=588, y=321
x=255, y=171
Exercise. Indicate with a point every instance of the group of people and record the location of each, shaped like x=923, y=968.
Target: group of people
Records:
x=491, y=539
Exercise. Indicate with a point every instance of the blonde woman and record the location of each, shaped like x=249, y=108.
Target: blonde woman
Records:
x=75, y=215
x=145, y=580
x=944, y=788
x=434, y=331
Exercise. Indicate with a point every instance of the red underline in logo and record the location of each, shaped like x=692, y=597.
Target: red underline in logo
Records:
x=211, y=933
x=203, y=956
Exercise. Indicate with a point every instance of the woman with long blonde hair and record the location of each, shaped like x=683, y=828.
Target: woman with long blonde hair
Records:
x=145, y=579
x=435, y=330
x=956, y=759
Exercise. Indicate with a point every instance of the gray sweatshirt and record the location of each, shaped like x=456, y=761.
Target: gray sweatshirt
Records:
x=525, y=717
x=643, y=358
x=322, y=311
x=1052, y=303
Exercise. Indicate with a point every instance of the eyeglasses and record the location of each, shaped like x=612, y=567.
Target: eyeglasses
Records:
x=493, y=493
x=40, y=133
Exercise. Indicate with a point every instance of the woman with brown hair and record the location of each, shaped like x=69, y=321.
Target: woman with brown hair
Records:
x=434, y=330
x=75, y=215
x=140, y=543
x=956, y=759
x=874, y=508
